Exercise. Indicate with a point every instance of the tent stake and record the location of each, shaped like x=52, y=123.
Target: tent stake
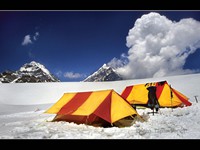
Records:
x=140, y=117
x=196, y=98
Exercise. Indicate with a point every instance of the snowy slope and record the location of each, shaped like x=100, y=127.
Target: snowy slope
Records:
x=22, y=117
x=42, y=93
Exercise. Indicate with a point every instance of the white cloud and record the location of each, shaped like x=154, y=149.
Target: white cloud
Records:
x=30, y=54
x=35, y=37
x=72, y=75
x=59, y=73
x=159, y=46
x=27, y=40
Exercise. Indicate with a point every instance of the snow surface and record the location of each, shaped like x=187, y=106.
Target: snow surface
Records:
x=22, y=116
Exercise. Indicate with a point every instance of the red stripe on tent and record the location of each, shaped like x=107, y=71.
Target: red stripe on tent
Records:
x=74, y=103
x=104, y=109
x=126, y=92
x=159, y=89
x=186, y=102
x=91, y=118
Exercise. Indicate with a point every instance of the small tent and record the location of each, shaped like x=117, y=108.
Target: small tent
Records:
x=165, y=94
x=94, y=107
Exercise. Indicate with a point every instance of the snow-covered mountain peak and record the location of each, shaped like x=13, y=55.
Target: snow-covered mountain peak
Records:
x=34, y=63
x=33, y=66
x=104, y=73
x=105, y=66
x=29, y=72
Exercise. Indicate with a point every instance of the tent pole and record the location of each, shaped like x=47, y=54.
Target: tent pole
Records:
x=171, y=96
x=87, y=120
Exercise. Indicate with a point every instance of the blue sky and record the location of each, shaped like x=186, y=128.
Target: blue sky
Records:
x=72, y=44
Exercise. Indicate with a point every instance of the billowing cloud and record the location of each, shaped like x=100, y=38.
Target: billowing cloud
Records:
x=72, y=75
x=159, y=46
x=27, y=40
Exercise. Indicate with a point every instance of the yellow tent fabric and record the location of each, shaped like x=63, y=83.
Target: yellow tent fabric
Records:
x=167, y=96
x=88, y=107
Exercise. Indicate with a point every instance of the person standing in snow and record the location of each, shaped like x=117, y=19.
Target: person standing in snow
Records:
x=152, y=98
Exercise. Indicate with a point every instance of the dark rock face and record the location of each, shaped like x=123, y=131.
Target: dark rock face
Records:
x=7, y=76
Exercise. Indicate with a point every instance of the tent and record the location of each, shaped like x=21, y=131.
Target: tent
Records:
x=94, y=107
x=165, y=94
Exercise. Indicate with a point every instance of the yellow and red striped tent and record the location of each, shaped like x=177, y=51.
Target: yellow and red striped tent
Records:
x=166, y=95
x=91, y=107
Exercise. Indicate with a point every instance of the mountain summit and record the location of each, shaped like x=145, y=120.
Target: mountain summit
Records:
x=104, y=73
x=29, y=72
